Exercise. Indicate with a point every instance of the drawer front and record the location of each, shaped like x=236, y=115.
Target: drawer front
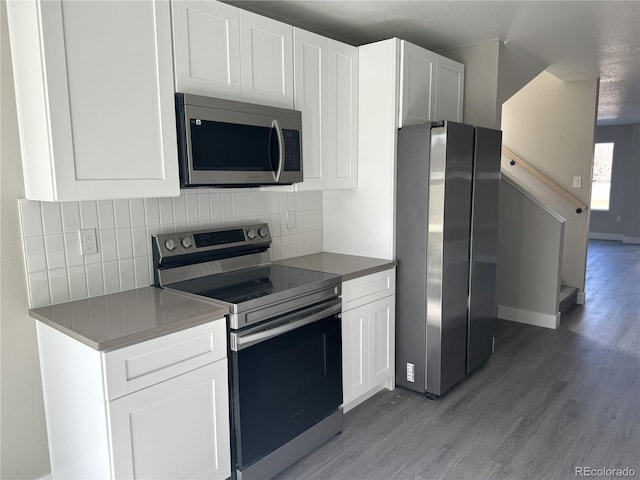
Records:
x=370, y=288
x=138, y=366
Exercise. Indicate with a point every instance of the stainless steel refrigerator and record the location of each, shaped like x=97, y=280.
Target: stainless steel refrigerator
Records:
x=448, y=181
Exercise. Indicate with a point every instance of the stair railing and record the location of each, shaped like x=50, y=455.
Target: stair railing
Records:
x=516, y=160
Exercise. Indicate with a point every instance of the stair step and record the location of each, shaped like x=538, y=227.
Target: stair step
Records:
x=568, y=298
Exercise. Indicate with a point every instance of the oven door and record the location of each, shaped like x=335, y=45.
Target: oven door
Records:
x=285, y=379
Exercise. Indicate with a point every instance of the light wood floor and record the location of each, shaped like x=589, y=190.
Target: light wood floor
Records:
x=546, y=402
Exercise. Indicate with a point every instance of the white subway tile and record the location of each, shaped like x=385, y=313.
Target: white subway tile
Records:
x=70, y=216
x=124, y=242
x=51, y=217
x=54, y=248
x=111, y=276
x=106, y=216
x=89, y=214
x=227, y=205
x=236, y=205
x=283, y=201
x=141, y=266
x=77, y=282
x=34, y=253
x=72, y=249
x=59, y=285
x=299, y=196
x=136, y=212
x=95, y=280
x=152, y=211
x=307, y=221
x=39, y=295
x=94, y=257
x=192, y=208
x=291, y=201
x=166, y=211
x=31, y=218
x=127, y=274
x=179, y=210
x=247, y=204
x=122, y=215
x=204, y=209
x=107, y=245
x=140, y=241
x=215, y=206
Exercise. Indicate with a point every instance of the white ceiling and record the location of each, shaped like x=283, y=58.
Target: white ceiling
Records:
x=578, y=39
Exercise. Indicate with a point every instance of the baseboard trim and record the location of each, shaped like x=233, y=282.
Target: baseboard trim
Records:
x=634, y=240
x=537, y=319
x=617, y=237
x=581, y=297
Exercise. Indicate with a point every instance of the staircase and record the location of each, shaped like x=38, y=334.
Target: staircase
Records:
x=568, y=298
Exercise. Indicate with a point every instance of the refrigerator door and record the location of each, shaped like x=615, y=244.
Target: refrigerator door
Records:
x=449, y=217
x=412, y=197
x=484, y=226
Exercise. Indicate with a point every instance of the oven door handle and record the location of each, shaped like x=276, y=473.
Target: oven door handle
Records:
x=240, y=341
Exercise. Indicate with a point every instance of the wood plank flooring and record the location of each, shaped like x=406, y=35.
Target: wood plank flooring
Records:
x=546, y=402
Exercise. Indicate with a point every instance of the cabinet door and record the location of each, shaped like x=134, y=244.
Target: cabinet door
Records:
x=449, y=90
x=105, y=99
x=311, y=61
x=417, y=84
x=356, y=337
x=342, y=128
x=174, y=429
x=382, y=313
x=266, y=53
x=206, y=39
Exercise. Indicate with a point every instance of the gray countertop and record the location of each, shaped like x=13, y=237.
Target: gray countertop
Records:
x=119, y=319
x=348, y=266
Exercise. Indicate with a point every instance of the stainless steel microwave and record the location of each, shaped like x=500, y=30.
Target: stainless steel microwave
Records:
x=224, y=143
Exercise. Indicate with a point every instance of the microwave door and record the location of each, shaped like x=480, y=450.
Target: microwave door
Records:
x=232, y=148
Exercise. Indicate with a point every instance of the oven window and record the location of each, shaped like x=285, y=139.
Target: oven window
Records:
x=285, y=385
x=228, y=146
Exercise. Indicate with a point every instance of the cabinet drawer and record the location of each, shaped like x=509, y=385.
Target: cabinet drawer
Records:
x=367, y=289
x=138, y=366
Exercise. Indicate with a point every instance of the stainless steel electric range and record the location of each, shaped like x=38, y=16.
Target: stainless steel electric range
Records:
x=285, y=368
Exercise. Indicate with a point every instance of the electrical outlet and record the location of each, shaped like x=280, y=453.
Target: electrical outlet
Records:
x=577, y=182
x=618, y=219
x=410, y=375
x=88, y=241
x=291, y=219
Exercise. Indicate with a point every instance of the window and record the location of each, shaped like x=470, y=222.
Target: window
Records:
x=601, y=183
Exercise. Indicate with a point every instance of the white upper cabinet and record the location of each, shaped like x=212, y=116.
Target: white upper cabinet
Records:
x=266, y=56
x=342, y=136
x=417, y=84
x=206, y=38
x=431, y=86
x=311, y=77
x=94, y=97
x=450, y=90
x=326, y=92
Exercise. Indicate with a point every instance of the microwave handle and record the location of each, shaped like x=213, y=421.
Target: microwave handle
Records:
x=278, y=172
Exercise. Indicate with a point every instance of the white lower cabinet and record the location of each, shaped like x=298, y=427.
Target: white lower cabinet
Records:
x=175, y=429
x=368, y=337
x=157, y=409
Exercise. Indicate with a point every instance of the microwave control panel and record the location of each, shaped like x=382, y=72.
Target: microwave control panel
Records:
x=292, y=150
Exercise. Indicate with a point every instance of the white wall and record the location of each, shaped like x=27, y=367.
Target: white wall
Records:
x=551, y=125
x=625, y=195
x=23, y=447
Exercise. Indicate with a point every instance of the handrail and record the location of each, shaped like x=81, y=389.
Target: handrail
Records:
x=520, y=187
x=580, y=207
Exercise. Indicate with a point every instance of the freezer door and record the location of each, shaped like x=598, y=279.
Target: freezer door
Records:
x=449, y=221
x=484, y=228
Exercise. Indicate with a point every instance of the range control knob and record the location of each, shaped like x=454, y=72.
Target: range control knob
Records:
x=169, y=244
x=251, y=234
x=263, y=232
x=186, y=242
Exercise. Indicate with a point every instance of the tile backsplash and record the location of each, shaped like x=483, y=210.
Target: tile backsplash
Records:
x=57, y=272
